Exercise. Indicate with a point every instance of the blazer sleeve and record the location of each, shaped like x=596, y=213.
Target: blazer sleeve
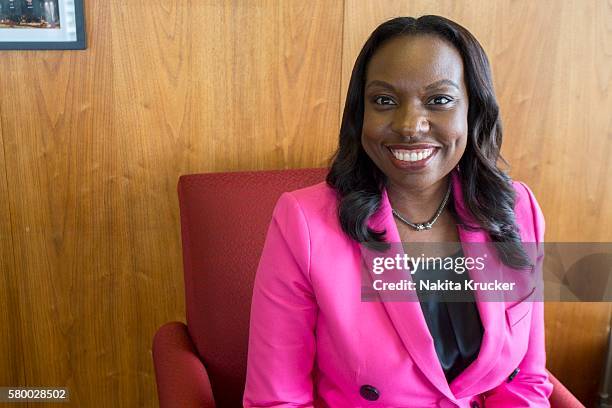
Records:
x=530, y=387
x=283, y=315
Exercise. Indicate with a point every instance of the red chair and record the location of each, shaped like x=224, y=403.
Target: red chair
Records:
x=224, y=220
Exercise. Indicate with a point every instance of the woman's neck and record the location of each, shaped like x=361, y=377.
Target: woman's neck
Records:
x=417, y=205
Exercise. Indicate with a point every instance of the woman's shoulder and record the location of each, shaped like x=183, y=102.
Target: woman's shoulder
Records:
x=316, y=204
x=527, y=211
x=315, y=195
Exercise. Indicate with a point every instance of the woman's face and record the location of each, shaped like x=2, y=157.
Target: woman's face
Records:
x=416, y=105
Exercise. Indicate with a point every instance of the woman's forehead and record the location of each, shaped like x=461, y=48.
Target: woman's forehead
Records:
x=415, y=60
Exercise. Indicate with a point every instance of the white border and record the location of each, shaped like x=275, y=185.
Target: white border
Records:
x=66, y=32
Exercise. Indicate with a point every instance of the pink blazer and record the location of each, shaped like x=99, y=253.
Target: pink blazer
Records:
x=314, y=343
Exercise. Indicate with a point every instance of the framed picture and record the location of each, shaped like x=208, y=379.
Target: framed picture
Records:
x=42, y=25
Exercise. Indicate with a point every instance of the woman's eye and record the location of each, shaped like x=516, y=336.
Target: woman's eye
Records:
x=440, y=100
x=384, y=100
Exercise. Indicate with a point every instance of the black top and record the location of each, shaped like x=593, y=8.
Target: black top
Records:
x=452, y=318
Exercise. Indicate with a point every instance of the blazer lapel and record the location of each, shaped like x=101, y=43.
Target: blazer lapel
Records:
x=492, y=314
x=492, y=310
x=409, y=321
x=407, y=316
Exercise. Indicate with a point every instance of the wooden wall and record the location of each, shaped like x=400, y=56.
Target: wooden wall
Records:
x=93, y=143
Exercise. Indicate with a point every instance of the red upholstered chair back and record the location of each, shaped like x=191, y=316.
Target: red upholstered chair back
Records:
x=224, y=220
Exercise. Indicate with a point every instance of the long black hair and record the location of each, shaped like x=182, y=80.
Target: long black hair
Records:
x=487, y=190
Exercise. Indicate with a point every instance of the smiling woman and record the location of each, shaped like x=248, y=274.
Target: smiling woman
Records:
x=417, y=125
x=424, y=86
x=417, y=162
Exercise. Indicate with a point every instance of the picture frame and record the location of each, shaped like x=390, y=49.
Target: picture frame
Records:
x=42, y=25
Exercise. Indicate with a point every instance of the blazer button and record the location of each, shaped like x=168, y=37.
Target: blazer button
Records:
x=514, y=373
x=368, y=392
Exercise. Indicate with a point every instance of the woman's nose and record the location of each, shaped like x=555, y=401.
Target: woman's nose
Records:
x=410, y=122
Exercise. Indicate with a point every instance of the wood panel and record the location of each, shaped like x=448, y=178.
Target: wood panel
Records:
x=11, y=337
x=552, y=66
x=95, y=142
x=56, y=122
x=577, y=333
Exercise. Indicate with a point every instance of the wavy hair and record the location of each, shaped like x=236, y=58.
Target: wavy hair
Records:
x=487, y=190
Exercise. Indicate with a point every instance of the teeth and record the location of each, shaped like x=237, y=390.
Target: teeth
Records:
x=413, y=155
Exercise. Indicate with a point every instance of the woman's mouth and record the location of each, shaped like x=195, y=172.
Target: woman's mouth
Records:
x=412, y=157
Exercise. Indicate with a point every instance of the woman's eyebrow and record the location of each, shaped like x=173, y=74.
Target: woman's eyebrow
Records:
x=382, y=84
x=441, y=83
x=436, y=84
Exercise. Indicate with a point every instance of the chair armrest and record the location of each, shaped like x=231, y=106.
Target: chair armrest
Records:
x=561, y=397
x=182, y=380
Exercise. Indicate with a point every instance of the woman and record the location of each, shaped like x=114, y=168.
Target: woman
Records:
x=417, y=162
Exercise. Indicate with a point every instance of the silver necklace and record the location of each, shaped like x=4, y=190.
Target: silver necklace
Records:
x=426, y=225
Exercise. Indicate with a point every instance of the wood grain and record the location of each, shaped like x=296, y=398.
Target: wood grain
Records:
x=11, y=337
x=55, y=125
x=95, y=142
x=577, y=333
